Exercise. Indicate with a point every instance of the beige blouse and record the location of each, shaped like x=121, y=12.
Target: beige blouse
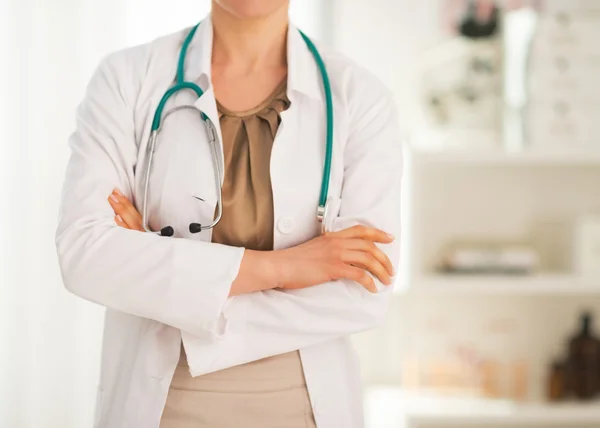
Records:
x=278, y=395
x=247, y=219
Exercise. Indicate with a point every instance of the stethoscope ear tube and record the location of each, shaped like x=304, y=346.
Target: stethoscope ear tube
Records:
x=167, y=230
x=212, y=141
x=150, y=155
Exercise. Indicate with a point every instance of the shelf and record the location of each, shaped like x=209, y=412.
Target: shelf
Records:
x=504, y=158
x=400, y=409
x=520, y=285
x=565, y=415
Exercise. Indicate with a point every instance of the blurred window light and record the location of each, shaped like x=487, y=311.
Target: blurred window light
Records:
x=519, y=31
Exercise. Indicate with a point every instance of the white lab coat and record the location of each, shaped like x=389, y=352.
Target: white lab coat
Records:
x=159, y=291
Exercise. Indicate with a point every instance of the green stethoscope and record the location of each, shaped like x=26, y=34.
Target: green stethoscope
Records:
x=180, y=85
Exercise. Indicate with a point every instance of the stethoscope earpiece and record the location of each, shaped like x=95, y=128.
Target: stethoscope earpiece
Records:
x=195, y=228
x=167, y=231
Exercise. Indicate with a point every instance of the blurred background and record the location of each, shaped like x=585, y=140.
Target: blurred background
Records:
x=492, y=325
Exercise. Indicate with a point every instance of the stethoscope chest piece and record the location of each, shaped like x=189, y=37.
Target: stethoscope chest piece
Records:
x=323, y=215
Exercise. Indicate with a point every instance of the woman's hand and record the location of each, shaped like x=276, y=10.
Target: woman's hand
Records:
x=125, y=213
x=348, y=254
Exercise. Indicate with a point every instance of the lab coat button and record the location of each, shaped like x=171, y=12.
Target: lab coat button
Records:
x=286, y=225
x=318, y=407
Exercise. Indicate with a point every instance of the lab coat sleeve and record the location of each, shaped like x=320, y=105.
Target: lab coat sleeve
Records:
x=179, y=282
x=278, y=321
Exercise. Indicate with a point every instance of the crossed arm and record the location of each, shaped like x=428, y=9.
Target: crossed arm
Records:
x=347, y=254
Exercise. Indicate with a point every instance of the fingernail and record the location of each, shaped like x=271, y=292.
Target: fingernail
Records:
x=392, y=237
x=118, y=192
x=119, y=218
x=114, y=198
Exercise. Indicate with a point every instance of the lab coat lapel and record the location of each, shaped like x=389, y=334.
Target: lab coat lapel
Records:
x=198, y=69
x=207, y=104
x=298, y=151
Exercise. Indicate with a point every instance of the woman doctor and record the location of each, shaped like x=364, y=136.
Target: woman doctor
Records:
x=247, y=323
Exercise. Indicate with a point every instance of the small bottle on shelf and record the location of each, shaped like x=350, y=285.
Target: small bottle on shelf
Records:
x=583, y=363
x=489, y=372
x=556, y=381
x=520, y=384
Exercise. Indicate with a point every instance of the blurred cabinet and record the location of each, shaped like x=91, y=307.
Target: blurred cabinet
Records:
x=532, y=196
x=564, y=65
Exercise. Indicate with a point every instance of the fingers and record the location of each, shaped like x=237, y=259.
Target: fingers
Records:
x=126, y=214
x=363, y=232
x=120, y=222
x=361, y=276
x=367, y=261
x=369, y=247
x=363, y=255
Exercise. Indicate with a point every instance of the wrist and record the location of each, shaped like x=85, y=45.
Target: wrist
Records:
x=260, y=271
x=266, y=267
x=274, y=269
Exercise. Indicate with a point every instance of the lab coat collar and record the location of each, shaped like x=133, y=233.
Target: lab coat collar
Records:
x=303, y=74
x=198, y=69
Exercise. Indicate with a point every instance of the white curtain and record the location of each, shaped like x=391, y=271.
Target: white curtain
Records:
x=50, y=340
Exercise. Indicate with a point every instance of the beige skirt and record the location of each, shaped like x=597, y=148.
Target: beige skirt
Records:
x=269, y=393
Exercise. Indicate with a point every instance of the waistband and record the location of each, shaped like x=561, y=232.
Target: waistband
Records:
x=276, y=373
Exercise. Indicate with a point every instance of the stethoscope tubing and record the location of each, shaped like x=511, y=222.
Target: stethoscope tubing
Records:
x=181, y=84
